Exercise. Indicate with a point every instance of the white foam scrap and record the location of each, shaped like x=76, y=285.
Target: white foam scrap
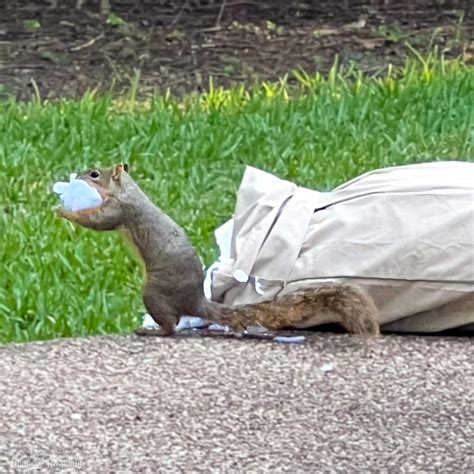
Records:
x=241, y=276
x=191, y=322
x=218, y=327
x=327, y=367
x=77, y=195
x=185, y=322
x=149, y=322
x=255, y=330
x=289, y=339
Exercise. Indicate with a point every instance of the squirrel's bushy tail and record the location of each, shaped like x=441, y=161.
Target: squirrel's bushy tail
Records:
x=330, y=303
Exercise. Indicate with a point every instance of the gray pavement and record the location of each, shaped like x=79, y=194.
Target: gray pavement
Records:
x=197, y=404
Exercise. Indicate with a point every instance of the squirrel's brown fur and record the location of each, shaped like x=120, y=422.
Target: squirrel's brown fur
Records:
x=174, y=281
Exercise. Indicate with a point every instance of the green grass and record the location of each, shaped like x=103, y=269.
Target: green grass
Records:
x=189, y=155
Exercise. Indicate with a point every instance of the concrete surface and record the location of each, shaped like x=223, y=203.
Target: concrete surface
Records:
x=197, y=404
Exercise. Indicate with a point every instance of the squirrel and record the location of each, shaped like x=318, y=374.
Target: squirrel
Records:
x=174, y=275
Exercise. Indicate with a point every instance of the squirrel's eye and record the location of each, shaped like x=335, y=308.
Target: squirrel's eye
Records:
x=94, y=174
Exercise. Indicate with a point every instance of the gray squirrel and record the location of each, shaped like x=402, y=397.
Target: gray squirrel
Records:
x=174, y=274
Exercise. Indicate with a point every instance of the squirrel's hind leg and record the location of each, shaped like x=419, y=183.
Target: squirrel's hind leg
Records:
x=162, y=313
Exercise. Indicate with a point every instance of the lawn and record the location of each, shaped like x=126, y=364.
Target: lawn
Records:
x=189, y=155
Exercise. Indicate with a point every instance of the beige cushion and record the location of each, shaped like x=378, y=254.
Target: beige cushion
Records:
x=405, y=234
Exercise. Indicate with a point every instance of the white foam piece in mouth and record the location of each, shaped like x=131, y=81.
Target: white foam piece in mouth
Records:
x=77, y=195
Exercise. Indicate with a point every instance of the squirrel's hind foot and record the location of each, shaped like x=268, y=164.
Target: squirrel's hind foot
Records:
x=152, y=332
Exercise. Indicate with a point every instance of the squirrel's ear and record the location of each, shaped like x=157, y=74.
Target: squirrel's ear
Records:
x=126, y=167
x=118, y=169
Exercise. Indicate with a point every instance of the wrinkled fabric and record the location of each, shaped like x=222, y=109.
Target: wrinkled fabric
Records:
x=403, y=234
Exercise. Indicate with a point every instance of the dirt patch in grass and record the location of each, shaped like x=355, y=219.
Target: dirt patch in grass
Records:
x=180, y=45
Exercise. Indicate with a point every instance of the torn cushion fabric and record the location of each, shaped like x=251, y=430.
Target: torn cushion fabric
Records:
x=404, y=234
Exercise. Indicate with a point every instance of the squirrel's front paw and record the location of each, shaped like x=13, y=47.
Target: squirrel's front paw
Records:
x=61, y=212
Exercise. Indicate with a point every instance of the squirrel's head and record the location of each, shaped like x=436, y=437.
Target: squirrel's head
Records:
x=114, y=185
x=107, y=181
